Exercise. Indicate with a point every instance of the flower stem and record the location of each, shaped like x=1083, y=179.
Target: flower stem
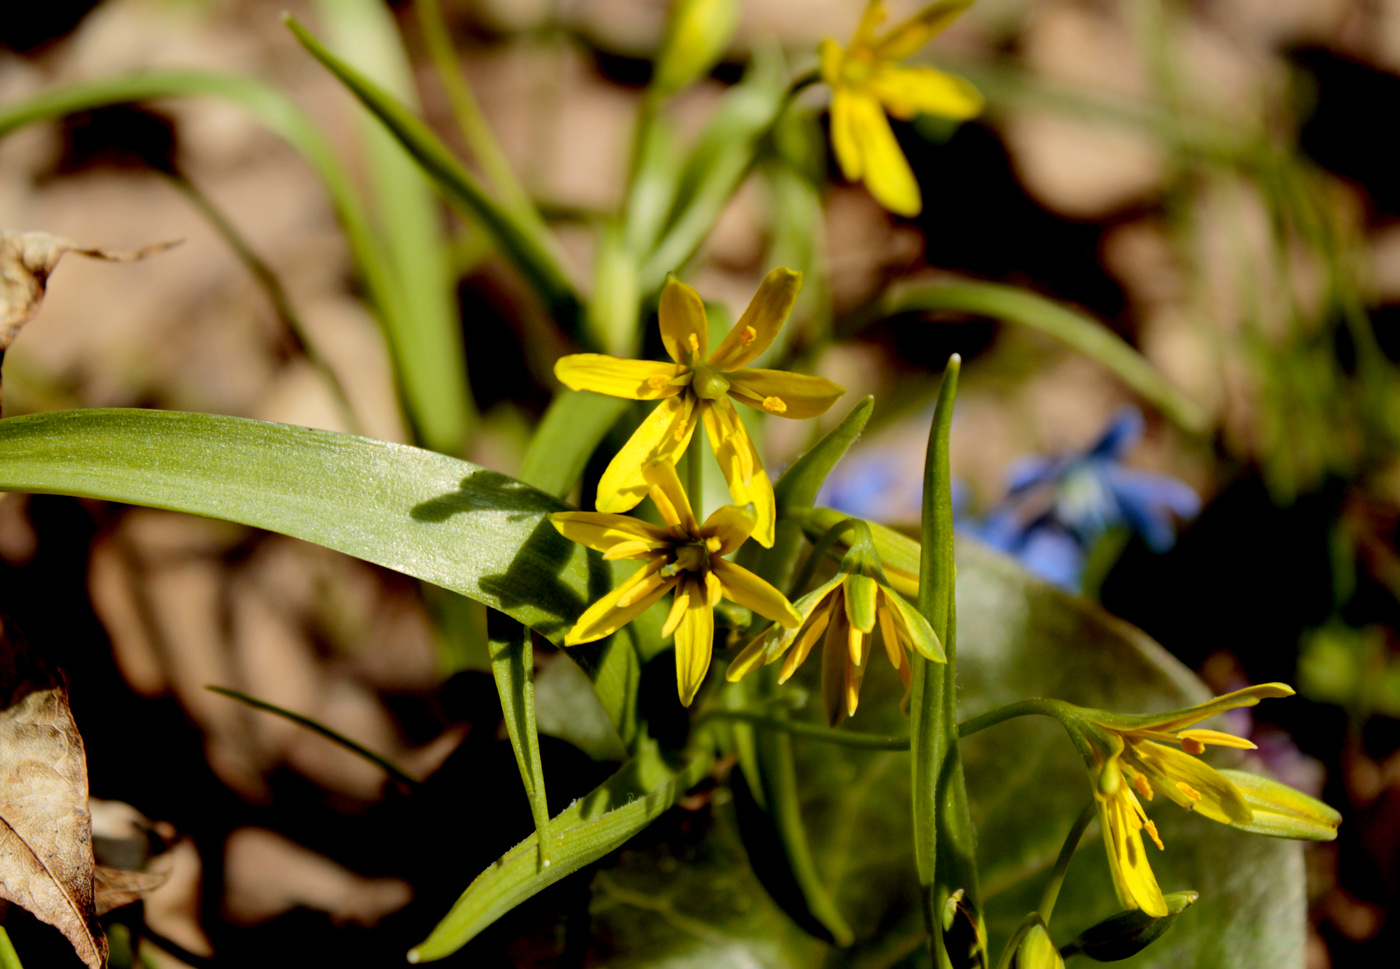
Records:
x=841, y=738
x=695, y=475
x=1057, y=875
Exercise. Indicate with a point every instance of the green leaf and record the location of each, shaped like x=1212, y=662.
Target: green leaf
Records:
x=573, y=427
x=589, y=829
x=525, y=243
x=695, y=902
x=9, y=958
x=446, y=521
x=513, y=666
x=1082, y=332
x=426, y=338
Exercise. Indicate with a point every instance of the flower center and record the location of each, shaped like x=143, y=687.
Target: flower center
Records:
x=858, y=67
x=707, y=384
x=690, y=557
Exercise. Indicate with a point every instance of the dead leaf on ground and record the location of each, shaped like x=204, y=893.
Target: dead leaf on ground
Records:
x=27, y=258
x=46, y=863
x=115, y=887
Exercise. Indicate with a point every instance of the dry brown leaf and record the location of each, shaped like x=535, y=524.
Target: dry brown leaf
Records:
x=46, y=861
x=27, y=258
x=115, y=887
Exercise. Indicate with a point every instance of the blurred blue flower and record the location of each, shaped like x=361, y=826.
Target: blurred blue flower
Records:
x=1058, y=506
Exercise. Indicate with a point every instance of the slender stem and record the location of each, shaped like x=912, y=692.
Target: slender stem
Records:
x=1023, y=708
x=695, y=474
x=1057, y=875
x=467, y=112
x=403, y=780
x=819, y=551
x=841, y=738
x=260, y=271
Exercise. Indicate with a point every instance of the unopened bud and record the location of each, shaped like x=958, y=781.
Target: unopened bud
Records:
x=1128, y=933
x=1036, y=951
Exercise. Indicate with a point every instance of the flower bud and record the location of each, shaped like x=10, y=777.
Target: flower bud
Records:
x=696, y=37
x=1128, y=933
x=1282, y=812
x=1036, y=951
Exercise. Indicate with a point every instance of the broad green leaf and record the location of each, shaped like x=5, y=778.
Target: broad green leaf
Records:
x=513, y=667
x=426, y=338
x=440, y=519
x=1082, y=332
x=695, y=903
x=529, y=248
x=593, y=826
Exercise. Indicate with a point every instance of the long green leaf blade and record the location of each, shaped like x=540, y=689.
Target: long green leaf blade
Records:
x=1082, y=332
x=589, y=829
x=513, y=666
x=531, y=250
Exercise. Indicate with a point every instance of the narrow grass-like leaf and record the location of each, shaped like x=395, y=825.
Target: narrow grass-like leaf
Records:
x=573, y=426
x=590, y=828
x=513, y=666
x=9, y=958
x=403, y=780
x=1072, y=327
x=530, y=250
x=426, y=338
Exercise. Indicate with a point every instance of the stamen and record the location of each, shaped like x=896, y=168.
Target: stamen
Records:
x=1143, y=787
x=1152, y=831
x=774, y=405
x=713, y=544
x=748, y=336
x=657, y=381
x=694, y=342
x=1191, y=793
x=1192, y=746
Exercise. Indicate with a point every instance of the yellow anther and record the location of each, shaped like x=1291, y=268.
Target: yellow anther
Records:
x=1191, y=793
x=694, y=341
x=1143, y=788
x=748, y=336
x=658, y=380
x=774, y=405
x=713, y=544
x=1192, y=746
x=1152, y=831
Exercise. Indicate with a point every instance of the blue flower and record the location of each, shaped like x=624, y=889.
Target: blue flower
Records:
x=1058, y=506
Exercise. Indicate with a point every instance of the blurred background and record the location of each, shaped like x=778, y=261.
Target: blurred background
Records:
x=1210, y=179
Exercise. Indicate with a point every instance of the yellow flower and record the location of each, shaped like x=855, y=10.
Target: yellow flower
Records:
x=847, y=608
x=1135, y=750
x=697, y=387
x=685, y=556
x=867, y=82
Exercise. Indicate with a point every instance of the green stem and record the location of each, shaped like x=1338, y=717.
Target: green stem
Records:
x=1022, y=708
x=695, y=474
x=406, y=783
x=841, y=738
x=819, y=551
x=1057, y=875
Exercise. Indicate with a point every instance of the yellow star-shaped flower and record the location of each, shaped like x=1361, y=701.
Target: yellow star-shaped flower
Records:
x=699, y=386
x=685, y=556
x=867, y=82
x=847, y=608
x=1135, y=750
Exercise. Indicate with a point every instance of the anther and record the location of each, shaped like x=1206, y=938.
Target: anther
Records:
x=1152, y=830
x=1192, y=746
x=658, y=380
x=1143, y=788
x=1191, y=793
x=774, y=405
x=694, y=341
x=748, y=336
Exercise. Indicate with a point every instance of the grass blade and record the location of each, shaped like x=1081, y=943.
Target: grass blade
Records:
x=513, y=666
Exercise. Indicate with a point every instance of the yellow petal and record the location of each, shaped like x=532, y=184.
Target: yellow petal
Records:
x=855, y=672
x=633, y=379
x=1127, y=858
x=762, y=320
x=805, y=642
x=833, y=59
x=907, y=91
x=785, y=394
x=751, y=592
x=889, y=632
x=695, y=640
x=731, y=525
x=845, y=141
x=835, y=659
x=885, y=170
x=741, y=466
x=606, y=616
x=919, y=29
x=670, y=498
x=1247, y=697
x=605, y=532
x=684, y=329
x=1191, y=783
x=872, y=18
x=661, y=437
x=680, y=602
x=751, y=658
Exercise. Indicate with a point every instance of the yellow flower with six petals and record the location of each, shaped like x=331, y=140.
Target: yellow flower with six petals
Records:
x=847, y=608
x=684, y=556
x=867, y=81
x=698, y=386
x=1135, y=749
